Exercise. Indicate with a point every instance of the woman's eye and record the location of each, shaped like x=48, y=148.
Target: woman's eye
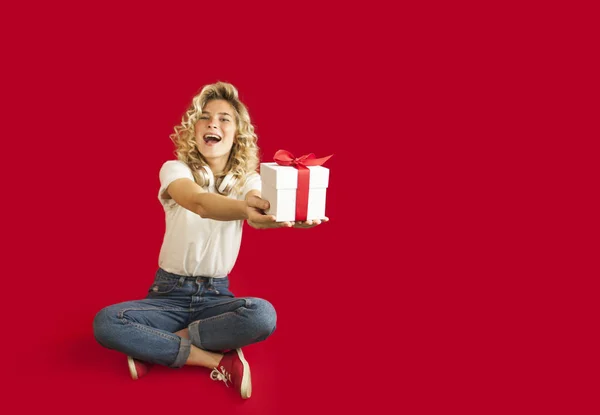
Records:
x=224, y=119
x=203, y=117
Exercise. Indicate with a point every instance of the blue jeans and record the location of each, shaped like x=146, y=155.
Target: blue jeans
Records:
x=216, y=320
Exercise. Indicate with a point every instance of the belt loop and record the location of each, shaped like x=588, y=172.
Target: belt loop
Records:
x=180, y=282
x=211, y=286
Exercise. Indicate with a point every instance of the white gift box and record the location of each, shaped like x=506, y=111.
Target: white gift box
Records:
x=279, y=185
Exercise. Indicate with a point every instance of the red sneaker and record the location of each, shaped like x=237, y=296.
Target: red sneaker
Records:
x=234, y=370
x=137, y=368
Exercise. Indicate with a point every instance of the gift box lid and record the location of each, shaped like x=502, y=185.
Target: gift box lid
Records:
x=286, y=177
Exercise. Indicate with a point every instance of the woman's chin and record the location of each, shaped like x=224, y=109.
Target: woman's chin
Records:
x=213, y=153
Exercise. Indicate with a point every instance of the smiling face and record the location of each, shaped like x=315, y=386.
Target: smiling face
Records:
x=215, y=132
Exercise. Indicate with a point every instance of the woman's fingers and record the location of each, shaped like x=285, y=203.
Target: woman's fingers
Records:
x=258, y=203
x=269, y=221
x=311, y=223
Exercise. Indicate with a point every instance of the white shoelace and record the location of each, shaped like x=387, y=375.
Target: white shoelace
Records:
x=224, y=376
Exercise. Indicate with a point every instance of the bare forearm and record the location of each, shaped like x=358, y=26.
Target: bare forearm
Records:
x=217, y=207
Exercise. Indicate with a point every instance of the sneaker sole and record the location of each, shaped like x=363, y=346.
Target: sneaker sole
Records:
x=132, y=370
x=246, y=388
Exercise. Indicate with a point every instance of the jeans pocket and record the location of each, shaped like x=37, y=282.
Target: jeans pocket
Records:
x=162, y=287
x=223, y=290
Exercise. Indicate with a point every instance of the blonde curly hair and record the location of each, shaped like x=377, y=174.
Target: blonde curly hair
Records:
x=244, y=156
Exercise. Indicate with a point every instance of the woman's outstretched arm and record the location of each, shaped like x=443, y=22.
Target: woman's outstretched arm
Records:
x=208, y=205
x=213, y=206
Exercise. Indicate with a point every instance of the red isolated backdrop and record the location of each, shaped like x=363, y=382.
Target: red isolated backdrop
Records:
x=452, y=275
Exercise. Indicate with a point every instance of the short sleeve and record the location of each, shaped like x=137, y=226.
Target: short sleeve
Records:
x=252, y=183
x=169, y=172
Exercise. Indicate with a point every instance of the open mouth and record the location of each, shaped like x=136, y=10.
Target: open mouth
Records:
x=211, y=138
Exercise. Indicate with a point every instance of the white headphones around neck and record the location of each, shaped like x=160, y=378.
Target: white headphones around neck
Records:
x=208, y=180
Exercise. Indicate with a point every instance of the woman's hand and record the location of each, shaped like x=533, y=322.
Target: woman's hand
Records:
x=259, y=220
x=257, y=217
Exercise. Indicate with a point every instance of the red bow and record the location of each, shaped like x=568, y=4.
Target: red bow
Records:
x=285, y=158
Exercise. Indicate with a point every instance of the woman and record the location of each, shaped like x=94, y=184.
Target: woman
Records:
x=189, y=316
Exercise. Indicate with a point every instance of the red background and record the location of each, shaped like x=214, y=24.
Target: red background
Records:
x=456, y=273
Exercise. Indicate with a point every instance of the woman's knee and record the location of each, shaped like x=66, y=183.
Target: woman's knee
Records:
x=265, y=317
x=104, y=323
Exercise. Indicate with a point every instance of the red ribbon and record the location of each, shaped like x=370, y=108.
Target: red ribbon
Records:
x=285, y=158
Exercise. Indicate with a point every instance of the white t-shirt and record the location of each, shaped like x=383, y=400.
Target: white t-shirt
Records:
x=196, y=246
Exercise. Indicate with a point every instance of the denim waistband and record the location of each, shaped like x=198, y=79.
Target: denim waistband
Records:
x=211, y=283
x=216, y=280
